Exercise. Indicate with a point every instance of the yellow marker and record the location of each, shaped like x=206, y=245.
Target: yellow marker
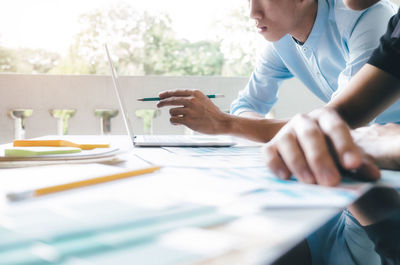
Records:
x=17, y=196
x=57, y=143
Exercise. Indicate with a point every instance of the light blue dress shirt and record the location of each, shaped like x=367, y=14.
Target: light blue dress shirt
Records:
x=340, y=43
x=342, y=241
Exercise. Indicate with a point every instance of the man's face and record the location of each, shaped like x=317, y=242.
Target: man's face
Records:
x=359, y=4
x=274, y=18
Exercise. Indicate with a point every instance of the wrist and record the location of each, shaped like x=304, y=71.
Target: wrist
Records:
x=224, y=124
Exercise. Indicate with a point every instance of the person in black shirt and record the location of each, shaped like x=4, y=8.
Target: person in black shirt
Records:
x=387, y=56
x=376, y=85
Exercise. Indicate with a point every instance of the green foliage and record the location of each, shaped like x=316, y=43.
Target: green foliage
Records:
x=239, y=42
x=64, y=115
x=184, y=58
x=7, y=60
x=148, y=116
x=72, y=64
x=142, y=44
x=27, y=60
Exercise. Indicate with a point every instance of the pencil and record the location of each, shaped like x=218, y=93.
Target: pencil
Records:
x=157, y=98
x=17, y=196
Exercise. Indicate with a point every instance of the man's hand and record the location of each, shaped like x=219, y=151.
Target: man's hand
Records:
x=382, y=142
x=315, y=147
x=194, y=110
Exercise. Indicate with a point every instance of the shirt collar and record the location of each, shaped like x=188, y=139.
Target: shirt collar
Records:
x=319, y=24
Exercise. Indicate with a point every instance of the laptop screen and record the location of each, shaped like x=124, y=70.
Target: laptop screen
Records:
x=116, y=90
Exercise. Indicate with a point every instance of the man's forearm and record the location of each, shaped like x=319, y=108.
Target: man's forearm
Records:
x=252, y=126
x=369, y=93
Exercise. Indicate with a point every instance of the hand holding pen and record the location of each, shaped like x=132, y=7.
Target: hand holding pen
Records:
x=158, y=99
x=192, y=108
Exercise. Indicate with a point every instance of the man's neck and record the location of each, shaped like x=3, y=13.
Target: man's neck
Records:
x=305, y=26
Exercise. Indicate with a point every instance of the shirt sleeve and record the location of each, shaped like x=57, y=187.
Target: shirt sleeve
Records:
x=362, y=40
x=387, y=55
x=260, y=94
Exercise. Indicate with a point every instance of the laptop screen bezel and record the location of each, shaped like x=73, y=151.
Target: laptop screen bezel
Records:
x=117, y=89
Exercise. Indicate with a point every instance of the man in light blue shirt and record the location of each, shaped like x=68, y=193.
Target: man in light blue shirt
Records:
x=321, y=42
x=340, y=43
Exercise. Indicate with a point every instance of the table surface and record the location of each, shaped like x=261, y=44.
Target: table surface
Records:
x=205, y=206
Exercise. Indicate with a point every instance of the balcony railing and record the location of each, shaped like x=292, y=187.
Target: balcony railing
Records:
x=37, y=105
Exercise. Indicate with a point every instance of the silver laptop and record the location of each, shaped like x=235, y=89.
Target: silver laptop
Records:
x=164, y=140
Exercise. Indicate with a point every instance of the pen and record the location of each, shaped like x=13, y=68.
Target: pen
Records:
x=157, y=98
x=17, y=196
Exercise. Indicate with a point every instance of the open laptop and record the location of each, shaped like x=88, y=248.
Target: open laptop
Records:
x=164, y=140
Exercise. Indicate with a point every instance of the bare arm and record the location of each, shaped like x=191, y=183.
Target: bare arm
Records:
x=255, y=127
x=196, y=111
x=369, y=92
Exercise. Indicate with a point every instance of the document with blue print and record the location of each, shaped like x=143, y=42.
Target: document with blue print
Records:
x=216, y=151
x=148, y=213
x=200, y=157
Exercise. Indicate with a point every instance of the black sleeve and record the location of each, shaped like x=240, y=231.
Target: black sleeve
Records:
x=386, y=237
x=387, y=55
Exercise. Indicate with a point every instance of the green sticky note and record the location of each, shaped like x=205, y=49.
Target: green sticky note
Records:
x=39, y=151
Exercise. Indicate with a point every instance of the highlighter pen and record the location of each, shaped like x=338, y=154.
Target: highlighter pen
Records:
x=157, y=98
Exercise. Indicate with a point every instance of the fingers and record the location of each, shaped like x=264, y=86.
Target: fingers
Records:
x=181, y=97
x=274, y=161
x=176, y=93
x=351, y=157
x=176, y=120
x=174, y=101
x=316, y=151
x=368, y=170
x=338, y=133
x=177, y=112
x=315, y=147
x=177, y=116
x=293, y=156
x=181, y=93
x=301, y=149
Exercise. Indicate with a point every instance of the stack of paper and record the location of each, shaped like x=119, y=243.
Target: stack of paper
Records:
x=45, y=152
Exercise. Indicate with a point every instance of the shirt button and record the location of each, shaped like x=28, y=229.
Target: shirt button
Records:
x=304, y=49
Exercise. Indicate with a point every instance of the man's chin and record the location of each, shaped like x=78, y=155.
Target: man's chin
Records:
x=272, y=38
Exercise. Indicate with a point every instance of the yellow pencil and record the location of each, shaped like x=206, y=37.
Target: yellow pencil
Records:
x=17, y=196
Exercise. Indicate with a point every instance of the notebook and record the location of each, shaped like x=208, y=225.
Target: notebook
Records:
x=163, y=140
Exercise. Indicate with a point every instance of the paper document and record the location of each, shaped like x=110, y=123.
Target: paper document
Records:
x=39, y=151
x=221, y=159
